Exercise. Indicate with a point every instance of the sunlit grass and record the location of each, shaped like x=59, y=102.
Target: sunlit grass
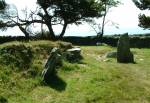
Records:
x=94, y=80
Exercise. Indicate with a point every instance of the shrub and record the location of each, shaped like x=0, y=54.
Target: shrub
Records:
x=17, y=55
x=3, y=100
x=34, y=70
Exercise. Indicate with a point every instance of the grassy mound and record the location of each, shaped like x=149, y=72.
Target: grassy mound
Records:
x=93, y=80
x=21, y=65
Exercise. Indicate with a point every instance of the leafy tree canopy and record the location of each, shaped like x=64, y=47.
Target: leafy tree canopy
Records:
x=142, y=4
x=144, y=21
x=2, y=4
x=54, y=12
x=68, y=12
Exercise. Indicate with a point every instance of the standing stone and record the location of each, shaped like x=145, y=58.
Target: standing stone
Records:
x=50, y=67
x=124, y=54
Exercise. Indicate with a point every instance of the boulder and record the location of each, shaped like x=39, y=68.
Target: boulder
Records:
x=50, y=67
x=112, y=54
x=101, y=44
x=65, y=45
x=73, y=54
x=124, y=54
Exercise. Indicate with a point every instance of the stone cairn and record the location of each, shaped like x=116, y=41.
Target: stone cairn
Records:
x=124, y=55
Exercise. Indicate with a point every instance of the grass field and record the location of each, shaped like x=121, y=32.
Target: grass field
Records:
x=93, y=80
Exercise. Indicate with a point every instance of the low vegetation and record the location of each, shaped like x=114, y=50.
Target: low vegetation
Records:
x=136, y=40
x=95, y=79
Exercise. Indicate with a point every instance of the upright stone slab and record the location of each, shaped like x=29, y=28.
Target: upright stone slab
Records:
x=50, y=66
x=124, y=54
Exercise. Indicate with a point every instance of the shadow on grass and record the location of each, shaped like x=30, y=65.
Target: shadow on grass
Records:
x=56, y=83
x=128, y=62
x=3, y=100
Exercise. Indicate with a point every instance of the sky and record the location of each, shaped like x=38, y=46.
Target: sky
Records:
x=125, y=16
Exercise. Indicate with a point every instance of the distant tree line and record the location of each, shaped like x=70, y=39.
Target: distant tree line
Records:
x=137, y=41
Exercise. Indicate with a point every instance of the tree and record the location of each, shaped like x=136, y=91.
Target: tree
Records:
x=67, y=12
x=144, y=21
x=2, y=5
x=55, y=12
x=100, y=27
x=107, y=5
x=11, y=18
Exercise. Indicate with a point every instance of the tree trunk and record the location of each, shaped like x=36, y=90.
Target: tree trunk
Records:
x=63, y=31
x=103, y=25
x=51, y=35
x=48, y=19
x=42, y=31
x=27, y=37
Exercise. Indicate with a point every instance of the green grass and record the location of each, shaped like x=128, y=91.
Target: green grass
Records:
x=94, y=80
